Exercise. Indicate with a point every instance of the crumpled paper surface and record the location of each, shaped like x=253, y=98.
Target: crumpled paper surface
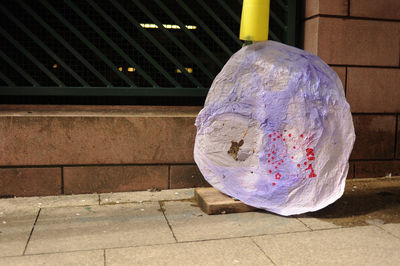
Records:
x=276, y=131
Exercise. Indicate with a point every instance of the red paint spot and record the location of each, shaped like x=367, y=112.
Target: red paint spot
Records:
x=269, y=135
x=278, y=176
x=269, y=154
x=273, y=152
x=301, y=135
x=310, y=152
x=292, y=157
x=298, y=165
x=279, y=163
x=272, y=158
x=274, y=139
x=290, y=135
x=274, y=133
x=270, y=171
x=284, y=139
x=269, y=161
x=294, y=147
x=278, y=137
x=312, y=174
x=311, y=158
x=305, y=163
x=282, y=161
x=274, y=184
x=276, y=167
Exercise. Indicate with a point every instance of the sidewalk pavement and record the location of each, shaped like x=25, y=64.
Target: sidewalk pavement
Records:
x=168, y=228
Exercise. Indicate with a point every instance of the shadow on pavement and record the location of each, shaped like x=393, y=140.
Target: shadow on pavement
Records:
x=375, y=201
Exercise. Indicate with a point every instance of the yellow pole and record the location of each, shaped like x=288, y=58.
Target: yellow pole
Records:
x=255, y=20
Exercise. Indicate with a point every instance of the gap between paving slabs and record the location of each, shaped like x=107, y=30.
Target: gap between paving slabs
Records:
x=14, y=211
x=351, y=210
x=374, y=201
x=365, y=201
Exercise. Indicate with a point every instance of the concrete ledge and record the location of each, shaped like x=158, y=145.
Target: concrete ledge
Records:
x=114, y=178
x=43, y=135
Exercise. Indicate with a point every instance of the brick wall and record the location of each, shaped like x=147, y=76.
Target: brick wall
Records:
x=60, y=149
x=50, y=150
x=360, y=39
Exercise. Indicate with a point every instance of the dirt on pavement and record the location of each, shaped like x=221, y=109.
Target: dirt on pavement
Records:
x=365, y=201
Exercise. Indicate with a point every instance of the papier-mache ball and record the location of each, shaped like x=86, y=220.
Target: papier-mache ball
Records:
x=276, y=131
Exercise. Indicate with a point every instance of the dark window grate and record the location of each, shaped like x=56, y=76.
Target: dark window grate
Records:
x=122, y=48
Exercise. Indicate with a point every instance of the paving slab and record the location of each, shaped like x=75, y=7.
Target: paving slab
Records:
x=364, y=245
x=189, y=223
x=143, y=196
x=49, y=201
x=15, y=228
x=218, y=252
x=394, y=229
x=95, y=227
x=317, y=224
x=95, y=257
x=371, y=201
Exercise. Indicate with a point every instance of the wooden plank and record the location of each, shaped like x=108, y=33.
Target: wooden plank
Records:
x=211, y=201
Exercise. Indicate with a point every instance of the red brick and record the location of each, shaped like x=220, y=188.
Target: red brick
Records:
x=377, y=168
x=311, y=35
x=96, y=139
x=326, y=7
x=350, y=174
x=375, y=136
x=90, y=179
x=386, y=9
x=341, y=71
x=185, y=176
x=105, y=110
x=23, y=182
x=374, y=90
x=398, y=138
x=357, y=42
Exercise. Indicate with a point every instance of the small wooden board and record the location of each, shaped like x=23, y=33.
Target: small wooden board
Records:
x=211, y=201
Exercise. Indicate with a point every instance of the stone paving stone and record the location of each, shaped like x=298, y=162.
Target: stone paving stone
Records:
x=375, y=137
x=95, y=227
x=15, y=228
x=347, y=41
x=143, y=196
x=95, y=257
x=394, y=229
x=49, y=201
x=218, y=252
x=363, y=84
x=189, y=223
x=84, y=140
x=115, y=178
x=186, y=176
x=367, y=169
x=25, y=182
x=367, y=245
x=317, y=224
x=389, y=9
x=326, y=7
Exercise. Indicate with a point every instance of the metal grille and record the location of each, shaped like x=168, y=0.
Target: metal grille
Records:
x=123, y=48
